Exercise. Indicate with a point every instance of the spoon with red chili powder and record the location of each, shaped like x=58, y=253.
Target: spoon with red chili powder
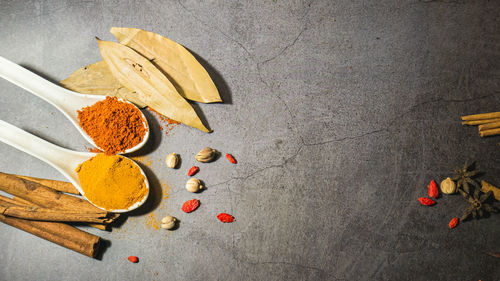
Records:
x=64, y=160
x=111, y=124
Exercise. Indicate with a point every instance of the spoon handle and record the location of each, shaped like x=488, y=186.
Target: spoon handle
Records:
x=33, y=83
x=63, y=160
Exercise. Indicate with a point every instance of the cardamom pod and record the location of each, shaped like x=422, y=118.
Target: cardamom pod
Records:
x=189, y=77
x=193, y=185
x=168, y=222
x=448, y=186
x=96, y=79
x=139, y=75
x=205, y=155
x=172, y=160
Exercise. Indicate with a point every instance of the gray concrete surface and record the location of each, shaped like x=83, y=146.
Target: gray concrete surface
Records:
x=339, y=113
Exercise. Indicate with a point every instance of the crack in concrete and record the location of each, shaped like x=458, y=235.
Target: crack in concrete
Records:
x=322, y=271
x=222, y=32
x=286, y=161
x=387, y=128
x=347, y=137
x=304, y=28
x=287, y=108
x=285, y=48
x=253, y=58
x=288, y=263
x=440, y=1
x=373, y=132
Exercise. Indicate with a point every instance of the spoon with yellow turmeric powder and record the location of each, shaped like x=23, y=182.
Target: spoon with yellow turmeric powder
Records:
x=113, y=125
x=111, y=182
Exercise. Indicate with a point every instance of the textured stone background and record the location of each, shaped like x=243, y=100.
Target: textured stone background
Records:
x=339, y=113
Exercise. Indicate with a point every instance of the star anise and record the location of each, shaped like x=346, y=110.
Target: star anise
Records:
x=464, y=177
x=479, y=204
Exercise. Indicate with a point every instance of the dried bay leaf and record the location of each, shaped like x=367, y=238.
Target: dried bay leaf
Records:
x=189, y=77
x=152, y=87
x=96, y=79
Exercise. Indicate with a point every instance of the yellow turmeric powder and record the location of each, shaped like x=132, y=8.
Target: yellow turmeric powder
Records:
x=111, y=182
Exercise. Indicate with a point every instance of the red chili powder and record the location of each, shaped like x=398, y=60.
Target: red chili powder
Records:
x=113, y=125
x=166, y=124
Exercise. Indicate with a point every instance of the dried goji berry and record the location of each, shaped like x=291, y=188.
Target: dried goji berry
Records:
x=230, y=158
x=223, y=217
x=133, y=259
x=433, y=189
x=426, y=201
x=193, y=170
x=453, y=223
x=190, y=205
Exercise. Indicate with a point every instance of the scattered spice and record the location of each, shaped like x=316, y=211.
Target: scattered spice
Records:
x=194, y=185
x=433, y=189
x=168, y=222
x=166, y=124
x=448, y=186
x=112, y=182
x=193, y=170
x=144, y=160
x=190, y=205
x=113, y=125
x=223, y=217
x=426, y=201
x=230, y=158
x=133, y=259
x=205, y=155
x=152, y=221
x=172, y=160
x=453, y=223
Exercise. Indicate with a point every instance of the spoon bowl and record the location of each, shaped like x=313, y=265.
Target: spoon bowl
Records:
x=63, y=160
x=66, y=101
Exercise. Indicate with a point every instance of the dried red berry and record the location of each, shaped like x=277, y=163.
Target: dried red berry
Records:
x=190, y=205
x=230, y=158
x=426, y=201
x=453, y=223
x=433, y=189
x=133, y=259
x=223, y=217
x=193, y=170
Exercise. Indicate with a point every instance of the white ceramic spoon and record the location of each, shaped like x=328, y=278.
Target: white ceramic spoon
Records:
x=62, y=159
x=68, y=102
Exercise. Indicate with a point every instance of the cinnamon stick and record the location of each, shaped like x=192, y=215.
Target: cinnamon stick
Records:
x=28, y=203
x=9, y=207
x=496, y=255
x=62, y=234
x=54, y=184
x=43, y=196
x=489, y=126
x=481, y=116
x=490, y=132
x=480, y=122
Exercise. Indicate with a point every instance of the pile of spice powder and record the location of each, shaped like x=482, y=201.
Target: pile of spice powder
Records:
x=112, y=182
x=113, y=125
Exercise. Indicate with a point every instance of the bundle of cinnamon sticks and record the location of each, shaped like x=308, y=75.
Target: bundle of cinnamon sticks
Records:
x=489, y=123
x=42, y=207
